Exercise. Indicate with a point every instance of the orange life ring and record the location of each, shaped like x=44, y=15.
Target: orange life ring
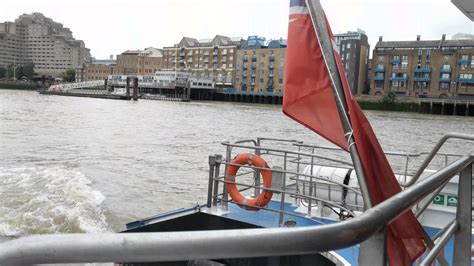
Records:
x=265, y=196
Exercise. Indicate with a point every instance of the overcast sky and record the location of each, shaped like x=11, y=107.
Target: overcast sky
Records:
x=113, y=26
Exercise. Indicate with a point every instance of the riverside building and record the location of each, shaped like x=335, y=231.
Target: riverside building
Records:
x=433, y=68
x=210, y=58
x=140, y=62
x=354, y=50
x=98, y=70
x=34, y=38
x=260, y=66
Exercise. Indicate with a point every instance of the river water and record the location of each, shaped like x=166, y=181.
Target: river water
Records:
x=72, y=164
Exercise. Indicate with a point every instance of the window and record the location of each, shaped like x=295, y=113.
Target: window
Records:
x=379, y=84
x=445, y=76
x=420, y=54
x=428, y=56
x=261, y=80
x=444, y=86
x=446, y=67
x=405, y=62
x=349, y=46
x=348, y=55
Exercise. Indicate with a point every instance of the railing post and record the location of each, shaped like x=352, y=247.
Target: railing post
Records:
x=212, y=163
x=256, y=174
x=216, y=179
x=225, y=196
x=310, y=186
x=374, y=250
x=282, y=197
x=297, y=175
x=462, y=240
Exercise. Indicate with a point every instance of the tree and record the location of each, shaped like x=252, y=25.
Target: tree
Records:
x=69, y=75
x=390, y=98
x=3, y=72
x=9, y=71
x=28, y=70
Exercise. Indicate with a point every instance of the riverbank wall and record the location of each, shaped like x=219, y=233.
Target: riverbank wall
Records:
x=18, y=86
x=461, y=107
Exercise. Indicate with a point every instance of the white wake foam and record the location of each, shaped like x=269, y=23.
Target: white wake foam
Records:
x=42, y=200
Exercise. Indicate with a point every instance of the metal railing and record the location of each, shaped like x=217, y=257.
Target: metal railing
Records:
x=178, y=246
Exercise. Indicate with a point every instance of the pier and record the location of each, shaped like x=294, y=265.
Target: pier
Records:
x=447, y=106
x=179, y=87
x=230, y=95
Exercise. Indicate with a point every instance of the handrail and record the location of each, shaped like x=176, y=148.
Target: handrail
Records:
x=175, y=246
x=395, y=153
x=259, y=148
x=433, y=153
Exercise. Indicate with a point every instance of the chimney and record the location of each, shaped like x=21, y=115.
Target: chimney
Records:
x=380, y=38
x=443, y=38
x=418, y=37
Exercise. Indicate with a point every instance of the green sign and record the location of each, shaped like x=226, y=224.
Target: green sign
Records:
x=452, y=201
x=439, y=200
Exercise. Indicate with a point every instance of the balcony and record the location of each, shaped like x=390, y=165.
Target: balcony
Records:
x=395, y=61
x=254, y=58
x=243, y=84
x=466, y=80
x=444, y=79
x=445, y=70
x=423, y=70
x=254, y=66
x=253, y=75
x=246, y=58
x=422, y=79
x=181, y=54
x=463, y=61
x=398, y=78
x=215, y=53
x=244, y=67
x=270, y=75
x=271, y=57
x=244, y=76
x=252, y=84
x=215, y=60
x=379, y=70
x=379, y=78
x=271, y=66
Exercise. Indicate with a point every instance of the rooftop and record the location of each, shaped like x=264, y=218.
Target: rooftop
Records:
x=426, y=43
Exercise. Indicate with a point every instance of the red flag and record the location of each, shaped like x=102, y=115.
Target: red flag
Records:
x=309, y=99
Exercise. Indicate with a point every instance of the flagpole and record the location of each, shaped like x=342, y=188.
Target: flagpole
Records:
x=321, y=29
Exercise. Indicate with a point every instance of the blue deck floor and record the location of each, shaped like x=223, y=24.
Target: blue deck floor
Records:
x=269, y=219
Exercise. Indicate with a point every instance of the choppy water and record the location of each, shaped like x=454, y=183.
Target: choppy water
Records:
x=86, y=165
